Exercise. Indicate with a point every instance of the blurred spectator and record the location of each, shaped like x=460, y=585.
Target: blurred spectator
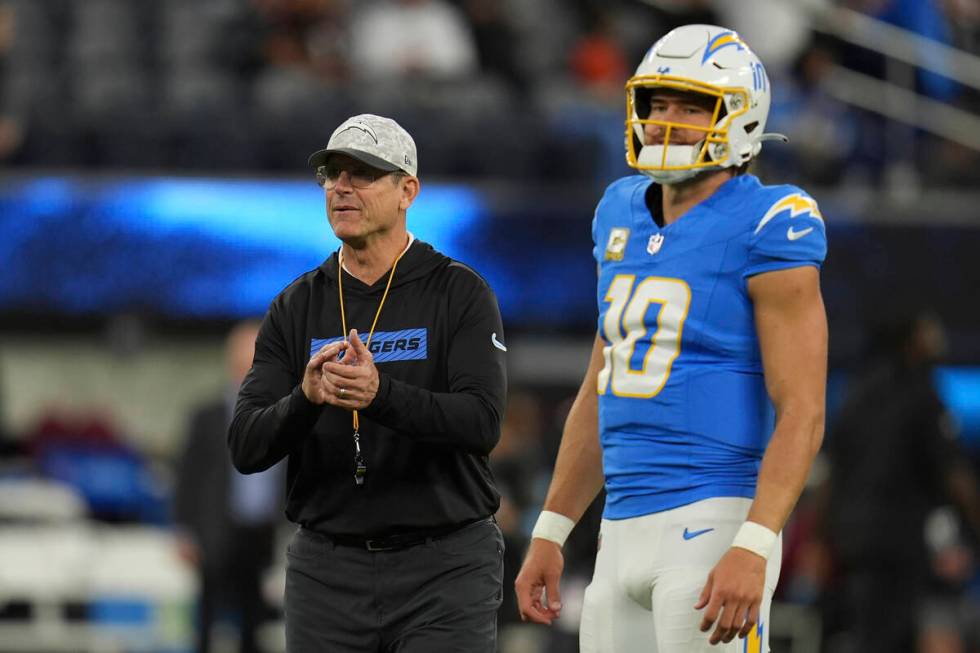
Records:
x=584, y=104
x=222, y=85
x=964, y=19
x=540, y=53
x=87, y=452
x=598, y=61
x=517, y=459
x=412, y=38
x=807, y=563
x=581, y=547
x=496, y=40
x=11, y=133
x=894, y=459
x=825, y=134
x=6, y=444
x=308, y=35
x=229, y=520
x=516, y=463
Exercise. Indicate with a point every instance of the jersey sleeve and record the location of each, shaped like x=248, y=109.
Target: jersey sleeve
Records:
x=595, y=226
x=272, y=413
x=791, y=233
x=609, y=241
x=468, y=416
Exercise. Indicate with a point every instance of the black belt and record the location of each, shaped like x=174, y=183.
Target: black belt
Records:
x=399, y=540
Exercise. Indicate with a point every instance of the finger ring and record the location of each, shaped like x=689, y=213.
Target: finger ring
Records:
x=341, y=392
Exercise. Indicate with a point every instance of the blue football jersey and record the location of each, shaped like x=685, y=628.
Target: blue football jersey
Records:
x=683, y=409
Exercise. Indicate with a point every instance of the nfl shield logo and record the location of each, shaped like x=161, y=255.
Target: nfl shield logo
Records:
x=655, y=243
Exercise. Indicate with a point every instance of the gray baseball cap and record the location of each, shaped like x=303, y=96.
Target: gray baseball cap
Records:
x=377, y=141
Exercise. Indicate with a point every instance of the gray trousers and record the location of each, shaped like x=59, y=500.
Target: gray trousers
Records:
x=438, y=596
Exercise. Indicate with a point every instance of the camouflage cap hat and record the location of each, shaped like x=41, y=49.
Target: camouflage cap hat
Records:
x=377, y=141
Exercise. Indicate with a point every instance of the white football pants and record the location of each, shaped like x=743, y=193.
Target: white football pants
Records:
x=649, y=573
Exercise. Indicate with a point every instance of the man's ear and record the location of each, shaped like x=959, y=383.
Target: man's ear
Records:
x=410, y=187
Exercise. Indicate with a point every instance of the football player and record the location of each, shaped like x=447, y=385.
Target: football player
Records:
x=703, y=404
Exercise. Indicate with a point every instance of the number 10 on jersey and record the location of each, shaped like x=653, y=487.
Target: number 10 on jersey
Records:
x=624, y=325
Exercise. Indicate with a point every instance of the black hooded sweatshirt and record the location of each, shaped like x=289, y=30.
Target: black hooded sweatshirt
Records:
x=426, y=436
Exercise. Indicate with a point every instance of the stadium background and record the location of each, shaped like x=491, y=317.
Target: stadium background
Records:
x=153, y=192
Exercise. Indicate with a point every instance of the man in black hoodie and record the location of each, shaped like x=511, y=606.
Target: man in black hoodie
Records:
x=894, y=459
x=380, y=374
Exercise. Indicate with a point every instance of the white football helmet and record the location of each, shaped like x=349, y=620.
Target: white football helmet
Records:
x=712, y=61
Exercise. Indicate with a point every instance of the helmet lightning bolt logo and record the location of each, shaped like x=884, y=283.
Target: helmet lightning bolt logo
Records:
x=720, y=41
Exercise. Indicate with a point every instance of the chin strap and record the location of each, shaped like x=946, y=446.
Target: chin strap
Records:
x=773, y=136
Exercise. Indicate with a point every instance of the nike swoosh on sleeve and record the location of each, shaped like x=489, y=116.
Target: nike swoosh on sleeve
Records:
x=496, y=343
x=796, y=235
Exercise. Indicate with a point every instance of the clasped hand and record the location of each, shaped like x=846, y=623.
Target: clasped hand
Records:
x=342, y=374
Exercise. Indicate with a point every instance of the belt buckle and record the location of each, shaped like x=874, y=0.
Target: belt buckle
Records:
x=377, y=545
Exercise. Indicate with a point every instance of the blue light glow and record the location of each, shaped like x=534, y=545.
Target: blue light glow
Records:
x=290, y=214
x=185, y=247
x=959, y=388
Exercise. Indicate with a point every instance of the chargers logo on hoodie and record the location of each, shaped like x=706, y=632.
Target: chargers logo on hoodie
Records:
x=389, y=346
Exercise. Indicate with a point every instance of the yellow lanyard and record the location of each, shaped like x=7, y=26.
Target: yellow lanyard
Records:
x=360, y=469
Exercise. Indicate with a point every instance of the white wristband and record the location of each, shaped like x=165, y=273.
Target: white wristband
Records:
x=553, y=526
x=755, y=538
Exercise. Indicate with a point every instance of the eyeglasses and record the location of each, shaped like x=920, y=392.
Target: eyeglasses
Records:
x=327, y=176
